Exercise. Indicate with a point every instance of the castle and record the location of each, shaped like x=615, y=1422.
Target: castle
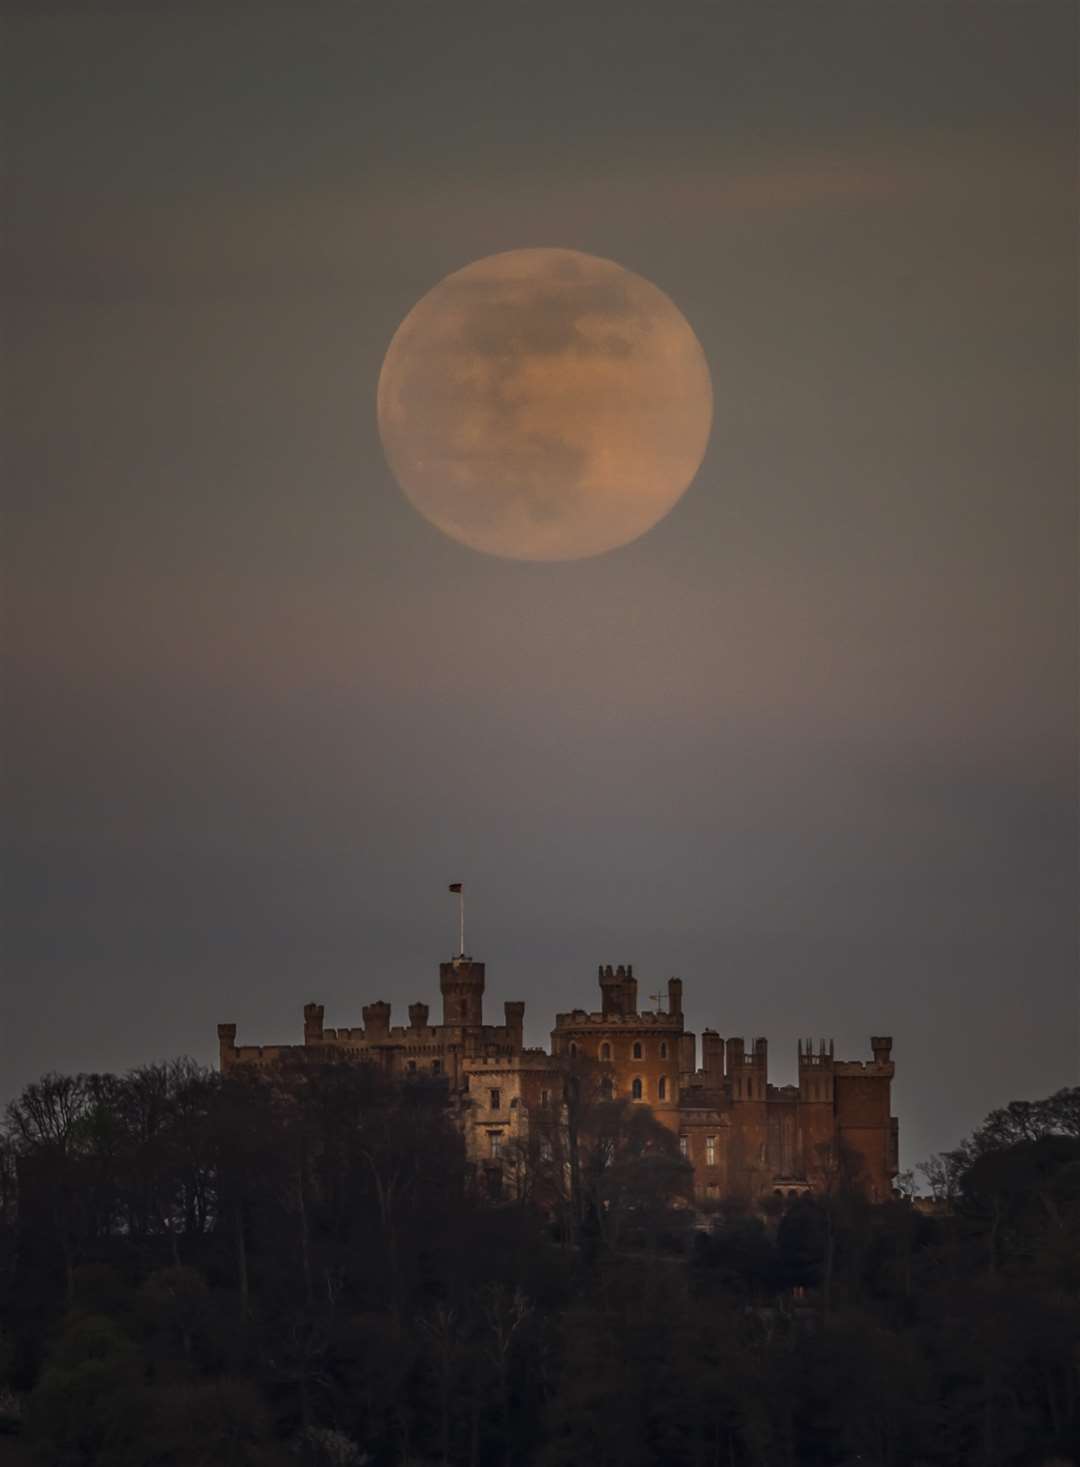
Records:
x=743, y=1136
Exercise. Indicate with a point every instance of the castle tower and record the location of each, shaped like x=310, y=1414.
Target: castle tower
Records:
x=462, y=985
x=515, y=1023
x=618, y=991
x=227, y=1045
x=313, y=1023
x=376, y=1021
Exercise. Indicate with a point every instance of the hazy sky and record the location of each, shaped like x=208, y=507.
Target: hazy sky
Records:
x=810, y=743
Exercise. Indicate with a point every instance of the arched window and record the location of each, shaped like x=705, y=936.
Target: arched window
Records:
x=573, y=1049
x=605, y=1051
x=661, y=1088
x=635, y=1089
x=663, y=1049
x=637, y=1049
x=607, y=1089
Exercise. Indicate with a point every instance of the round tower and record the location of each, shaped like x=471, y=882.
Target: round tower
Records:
x=462, y=985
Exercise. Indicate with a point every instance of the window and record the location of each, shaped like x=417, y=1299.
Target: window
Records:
x=637, y=1049
x=545, y=1097
x=607, y=1089
x=411, y=1067
x=663, y=1049
x=605, y=1051
x=546, y=1152
x=684, y=1147
x=710, y=1150
x=496, y=1099
x=436, y=1067
x=495, y=1143
x=635, y=1089
x=573, y=1049
x=661, y=1089
x=749, y=1089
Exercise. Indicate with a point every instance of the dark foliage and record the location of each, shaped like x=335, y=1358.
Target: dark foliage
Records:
x=298, y=1269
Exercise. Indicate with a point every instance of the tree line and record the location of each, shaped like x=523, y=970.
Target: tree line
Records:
x=303, y=1267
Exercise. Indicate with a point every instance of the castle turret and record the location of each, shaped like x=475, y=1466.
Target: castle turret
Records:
x=226, y=1044
x=418, y=1015
x=712, y=1057
x=515, y=1023
x=748, y=1074
x=674, y=996
x=881, y=1044
x=618, y=991
x=313, y=1023
x=376, y=1020
x=462, y=985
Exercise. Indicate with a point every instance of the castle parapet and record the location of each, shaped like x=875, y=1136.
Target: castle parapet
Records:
x=864, y=1067
x=647, y=1018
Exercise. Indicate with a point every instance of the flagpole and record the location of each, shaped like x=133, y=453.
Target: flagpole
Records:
x=458, y=888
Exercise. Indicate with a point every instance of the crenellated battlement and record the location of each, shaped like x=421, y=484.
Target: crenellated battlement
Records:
x=821, y=1058
x=738, y=1057
x=648, y=1018
x=864, y=1067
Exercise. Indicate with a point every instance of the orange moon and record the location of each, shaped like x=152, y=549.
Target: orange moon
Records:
x=544, y=405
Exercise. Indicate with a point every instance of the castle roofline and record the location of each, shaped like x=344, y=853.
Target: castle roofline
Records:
x=579, y=1018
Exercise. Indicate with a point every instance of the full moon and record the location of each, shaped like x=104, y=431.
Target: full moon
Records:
x=544, y=404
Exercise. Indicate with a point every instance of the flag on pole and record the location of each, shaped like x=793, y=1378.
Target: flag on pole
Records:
x=455, y=886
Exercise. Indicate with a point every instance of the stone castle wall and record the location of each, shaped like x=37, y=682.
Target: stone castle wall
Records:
x=743, y=1135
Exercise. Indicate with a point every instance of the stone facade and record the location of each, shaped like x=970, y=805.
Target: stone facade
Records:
x=744, y=1136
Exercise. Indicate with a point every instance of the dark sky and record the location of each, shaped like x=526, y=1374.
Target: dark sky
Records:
x=810, y=743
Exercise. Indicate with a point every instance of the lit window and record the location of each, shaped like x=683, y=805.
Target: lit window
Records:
x=663, y=1049
x=710, y=1150
x=637, y=1049
x=496, y=1099
x=605, y=1051
x=635, y=1090
x=661, y=1089
x=495, y=1142
x=684, y=1147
